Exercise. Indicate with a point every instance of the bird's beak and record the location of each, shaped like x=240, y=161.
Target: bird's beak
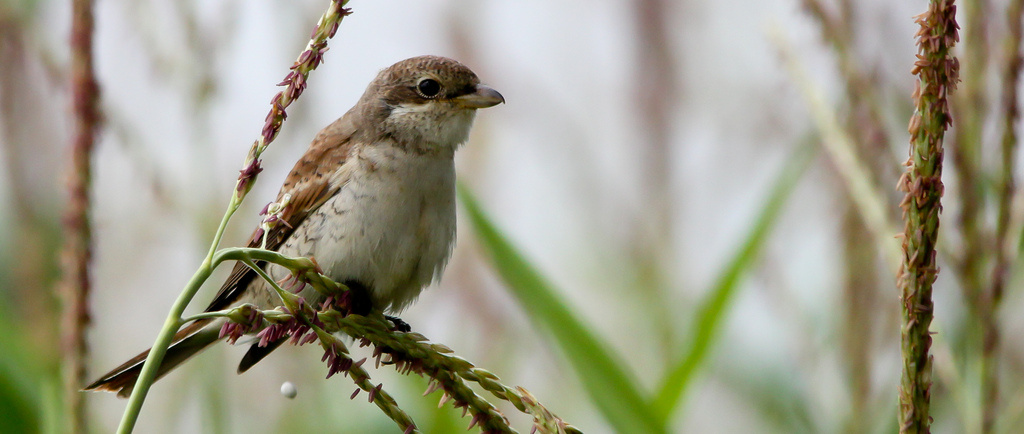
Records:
x=483, y=97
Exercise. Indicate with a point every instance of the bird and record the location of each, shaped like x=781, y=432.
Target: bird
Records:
x=372, y=201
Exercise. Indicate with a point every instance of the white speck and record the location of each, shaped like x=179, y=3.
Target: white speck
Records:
x=288, y=390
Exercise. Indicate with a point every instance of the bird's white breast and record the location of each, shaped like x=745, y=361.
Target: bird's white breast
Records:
x=435, y=123
x=391, y=227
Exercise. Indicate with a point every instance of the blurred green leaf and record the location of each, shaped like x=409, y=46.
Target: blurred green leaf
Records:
x=778, y=395
x=711, y=313
x=22, y=382
x=20, y=415
x=610, y=385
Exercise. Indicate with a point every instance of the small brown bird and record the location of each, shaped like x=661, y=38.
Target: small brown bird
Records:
x=372, y=200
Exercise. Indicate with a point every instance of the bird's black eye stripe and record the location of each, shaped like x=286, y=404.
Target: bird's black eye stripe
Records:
x=428, y=88
x=470, y=88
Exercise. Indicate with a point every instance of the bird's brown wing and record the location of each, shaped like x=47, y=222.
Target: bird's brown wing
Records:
x=309, y=185
x=309, y=189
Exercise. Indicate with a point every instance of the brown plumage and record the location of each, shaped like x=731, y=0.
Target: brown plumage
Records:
x=390, y=234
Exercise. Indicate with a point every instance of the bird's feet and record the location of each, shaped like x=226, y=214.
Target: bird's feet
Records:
x=358, y=296
x=359, y=303
x=400, y=325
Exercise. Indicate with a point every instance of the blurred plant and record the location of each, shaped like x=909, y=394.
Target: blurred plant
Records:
x=611, y=385
x=863, y=125
x=77, y=250
x=984, y=259
x=32, y=393
x=27, y=404
x=1006, y=245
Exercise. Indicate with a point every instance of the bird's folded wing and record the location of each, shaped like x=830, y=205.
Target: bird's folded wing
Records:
x=310, y=184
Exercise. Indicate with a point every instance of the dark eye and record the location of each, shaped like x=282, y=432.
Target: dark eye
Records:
x=428, y=88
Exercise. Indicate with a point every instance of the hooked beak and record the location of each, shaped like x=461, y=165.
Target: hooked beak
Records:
x=484, y=97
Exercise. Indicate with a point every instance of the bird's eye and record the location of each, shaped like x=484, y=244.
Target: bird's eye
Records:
x=428, y=88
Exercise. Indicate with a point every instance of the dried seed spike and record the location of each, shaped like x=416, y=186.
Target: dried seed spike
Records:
x=476, y=419
x=432, y=387
x=375, y=391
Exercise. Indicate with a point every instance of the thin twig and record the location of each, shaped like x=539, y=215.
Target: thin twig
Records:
x=77, y=251
x=657, y=88
x=866, y=196
x=354, y=370
x=865, y=123
x=1006, y=247
x=971, y=106
x=861, y=92
x=1005, y=251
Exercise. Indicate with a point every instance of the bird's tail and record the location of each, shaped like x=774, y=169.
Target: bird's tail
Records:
x=187, y=343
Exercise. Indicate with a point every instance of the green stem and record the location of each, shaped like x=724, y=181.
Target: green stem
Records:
x=286, y=297
x=174, y=320
x=163, y=341
x=937, y=72
x=172, y=324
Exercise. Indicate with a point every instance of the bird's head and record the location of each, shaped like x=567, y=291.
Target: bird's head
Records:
x=426, y=102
